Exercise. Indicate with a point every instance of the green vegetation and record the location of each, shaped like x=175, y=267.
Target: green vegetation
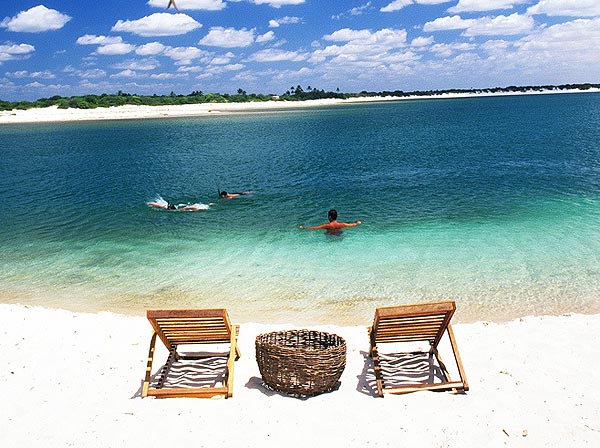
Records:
x=294, y=94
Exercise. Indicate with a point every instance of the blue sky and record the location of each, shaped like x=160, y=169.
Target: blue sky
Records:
x=73, y=47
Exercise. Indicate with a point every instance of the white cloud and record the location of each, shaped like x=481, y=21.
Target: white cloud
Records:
x=347, y=34
x=125, y=74
x=268, y=36
x=233, y=67
x=386, y=37
x=446, y=50
x=563, y=39
x=276, y=55
x=36, y=20
x=484, y=5
x=45, y=74
x=228, y=37
x=287, y=20
x=15, y=51
x=570, y=8
x=95, y=73
x=396, y=5
x=158, y=24
x=357, y=11
x=35, y=85
x=115, y=49
x=448, y=23
x=421, y=41
x=150, y=49
x=205, y=5
x=184, y=55
x=161, y=76
x=494, y=46
x=222, y=60
x=501, y=26
x=90, y=39
x=278, y=3
x=483, y=26
x=143, y=64
x=18, y=74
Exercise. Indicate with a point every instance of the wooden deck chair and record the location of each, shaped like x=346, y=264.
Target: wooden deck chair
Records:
x=415, y=323
x=188, y=328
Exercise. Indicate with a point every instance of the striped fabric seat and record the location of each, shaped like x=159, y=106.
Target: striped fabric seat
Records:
x=192, y=330
x=422, y=323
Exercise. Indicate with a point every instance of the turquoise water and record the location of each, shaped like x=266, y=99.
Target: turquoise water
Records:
x=492, y=202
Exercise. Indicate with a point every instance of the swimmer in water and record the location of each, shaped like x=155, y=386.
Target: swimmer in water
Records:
x=225, y=195
x=167, y=205
x=333, y=226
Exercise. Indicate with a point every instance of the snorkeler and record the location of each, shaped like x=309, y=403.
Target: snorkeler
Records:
x=167, y=205
x=333, y=224
x=225, y=195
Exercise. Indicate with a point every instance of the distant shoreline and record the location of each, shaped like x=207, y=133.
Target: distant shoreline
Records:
x=132, y=112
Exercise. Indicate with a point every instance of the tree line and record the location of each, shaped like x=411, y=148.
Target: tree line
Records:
x=293, y=94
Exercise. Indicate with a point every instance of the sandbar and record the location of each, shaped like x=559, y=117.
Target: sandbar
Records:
x=133, y=112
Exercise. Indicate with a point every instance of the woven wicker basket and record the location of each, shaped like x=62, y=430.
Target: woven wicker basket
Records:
x=301, y=362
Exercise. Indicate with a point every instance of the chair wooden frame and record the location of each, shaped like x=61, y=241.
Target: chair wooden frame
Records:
x=191, y=326
x=416, y=323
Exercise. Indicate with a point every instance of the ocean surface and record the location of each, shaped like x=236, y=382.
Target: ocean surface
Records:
x=491, y=202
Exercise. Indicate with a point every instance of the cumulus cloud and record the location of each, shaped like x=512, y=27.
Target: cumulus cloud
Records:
x=446, y=50
x=396, y=5
x=421, y=41
x=276, y=55
x=268, y=36
x=125, y=74
x=149, y=49
x=95, y=73
x=483, y=26
x=278, y=3
x=448, y=23
x=223, y=59
x=228, y=37
x=184, y=55
x=36, y=20
x=205, y=5
x=347, y=34
x=501, y=26
x=158, y=24
x=163, y=76
x=143, y=64
x=45, y=74
x=387, y=37
x=15, y=51
x=115, y=49
x=566, y=38
x=90, y=39
x=484, y=5
x=287, y=20
x=569, y=8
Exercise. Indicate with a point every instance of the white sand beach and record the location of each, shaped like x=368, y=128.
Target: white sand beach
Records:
x=74, y=379
x=131, y=112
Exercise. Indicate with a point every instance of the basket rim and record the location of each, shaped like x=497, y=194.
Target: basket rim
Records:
x=341, y=342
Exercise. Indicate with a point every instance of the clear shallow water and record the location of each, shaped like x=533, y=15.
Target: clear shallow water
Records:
x=493, y=202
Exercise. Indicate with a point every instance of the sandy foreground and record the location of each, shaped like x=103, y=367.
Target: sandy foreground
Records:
x=74, y=379
x=130, y=112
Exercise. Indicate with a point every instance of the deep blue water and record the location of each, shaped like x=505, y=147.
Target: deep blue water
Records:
x=492, y=202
